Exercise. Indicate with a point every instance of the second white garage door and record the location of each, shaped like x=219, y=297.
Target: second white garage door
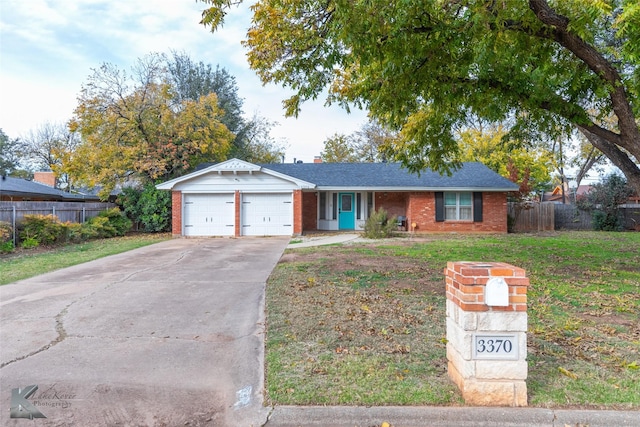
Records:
x=267, y=214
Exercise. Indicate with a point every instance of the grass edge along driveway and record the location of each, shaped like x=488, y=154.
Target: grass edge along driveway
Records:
x=364, y=324
x=29, y=263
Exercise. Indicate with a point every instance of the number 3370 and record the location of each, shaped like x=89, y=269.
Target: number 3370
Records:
x=494, y=346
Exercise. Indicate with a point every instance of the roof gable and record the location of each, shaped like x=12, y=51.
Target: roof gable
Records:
x=232, y=166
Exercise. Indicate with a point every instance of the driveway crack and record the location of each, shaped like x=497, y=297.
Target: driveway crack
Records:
x=62, y=334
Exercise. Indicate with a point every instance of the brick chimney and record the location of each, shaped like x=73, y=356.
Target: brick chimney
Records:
x=317, y=159
x=46, y=178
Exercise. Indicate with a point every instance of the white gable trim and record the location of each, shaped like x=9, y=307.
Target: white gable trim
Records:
x=233, y=166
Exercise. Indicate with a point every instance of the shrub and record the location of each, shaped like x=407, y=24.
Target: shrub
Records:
x=6, y=247
x=149, y=207
x=117, y=223
x=604, y=200
x=108, y=223
x=379, y=225
x=6, y=237
x=42, y=230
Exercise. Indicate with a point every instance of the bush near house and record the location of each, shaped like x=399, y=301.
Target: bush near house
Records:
x=379, y=225
x=6, y=237
x=37, y=230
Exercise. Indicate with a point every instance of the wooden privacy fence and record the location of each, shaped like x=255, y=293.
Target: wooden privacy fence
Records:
x=531, y=217
x=552, y=216
x=569, y=217
x=14, y=212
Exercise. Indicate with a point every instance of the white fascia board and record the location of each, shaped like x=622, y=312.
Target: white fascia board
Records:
x=408, y=189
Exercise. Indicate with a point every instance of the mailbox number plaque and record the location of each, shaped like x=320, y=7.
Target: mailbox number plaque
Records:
x=495, y=346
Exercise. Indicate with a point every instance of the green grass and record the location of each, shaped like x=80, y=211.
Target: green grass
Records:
x=365, y=324
x=29, y=263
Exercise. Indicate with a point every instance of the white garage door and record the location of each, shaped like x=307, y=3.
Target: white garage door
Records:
x=209, y=215
x=267, y=214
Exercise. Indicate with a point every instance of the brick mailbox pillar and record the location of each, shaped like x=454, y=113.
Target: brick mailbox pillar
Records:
x=487, y=332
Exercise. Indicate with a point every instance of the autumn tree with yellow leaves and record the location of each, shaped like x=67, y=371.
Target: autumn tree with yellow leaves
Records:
x=133, y=128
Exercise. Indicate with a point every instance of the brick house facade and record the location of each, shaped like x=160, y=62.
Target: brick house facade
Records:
x=237, y=198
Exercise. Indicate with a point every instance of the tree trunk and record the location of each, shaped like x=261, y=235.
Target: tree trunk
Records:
x=618, y=157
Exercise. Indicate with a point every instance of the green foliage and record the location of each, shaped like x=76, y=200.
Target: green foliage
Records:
x=149, y=207
x=9, y=154
x=426, y=67
x=30, y=243
x=6, y=237
x=338, y=149
x=45, y=230
x=488, y=147
x=41, y=230
x=108, y=223
x=603, y=200
x=136, y=126
x=6, y=247
x=379, y=225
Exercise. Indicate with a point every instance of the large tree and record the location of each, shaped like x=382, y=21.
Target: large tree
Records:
x=133, y=126
x=427, y=66
x=10, y=155
x=46, y=146
x=487, y=145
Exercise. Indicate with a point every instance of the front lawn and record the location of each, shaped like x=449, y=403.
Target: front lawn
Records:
x=26, y=263
x=364, y=324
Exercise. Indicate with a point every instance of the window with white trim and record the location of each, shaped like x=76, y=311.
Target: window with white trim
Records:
x=458, y=206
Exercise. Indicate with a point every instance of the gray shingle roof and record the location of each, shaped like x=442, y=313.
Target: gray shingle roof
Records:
x=25, y=188
x=391, y=175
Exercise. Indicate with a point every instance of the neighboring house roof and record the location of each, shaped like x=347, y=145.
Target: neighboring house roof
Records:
x=370, y=176
x=18, y=187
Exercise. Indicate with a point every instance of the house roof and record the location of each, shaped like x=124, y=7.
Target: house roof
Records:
x=392, y=176
x=366, y=176
x=18, y=187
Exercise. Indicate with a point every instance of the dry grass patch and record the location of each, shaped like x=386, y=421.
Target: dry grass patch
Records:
x=364, y=324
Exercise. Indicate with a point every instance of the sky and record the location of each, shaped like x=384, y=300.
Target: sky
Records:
x=48, y=48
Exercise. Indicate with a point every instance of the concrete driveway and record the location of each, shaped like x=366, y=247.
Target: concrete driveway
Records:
x=166, y=335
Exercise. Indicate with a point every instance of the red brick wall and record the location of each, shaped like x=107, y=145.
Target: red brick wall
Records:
x=297, y=212
x=421, y=210
x=46, y=178
x=238, y=206
x=310, y=211
x=394, y=203
x=418, y=207
x=176, y=213
x=466, y=282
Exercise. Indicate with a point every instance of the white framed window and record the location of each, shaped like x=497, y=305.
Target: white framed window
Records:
x=458, y=206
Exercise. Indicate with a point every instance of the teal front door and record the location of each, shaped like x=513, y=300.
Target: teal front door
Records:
x=346, y=216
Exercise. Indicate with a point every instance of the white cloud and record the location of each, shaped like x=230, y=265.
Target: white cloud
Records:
x=49, y=47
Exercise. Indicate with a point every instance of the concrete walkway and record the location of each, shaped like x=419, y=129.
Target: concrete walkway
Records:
x=432, y=416
x=321, y=240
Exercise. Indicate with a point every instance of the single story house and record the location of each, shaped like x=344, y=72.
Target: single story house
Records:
x=237, y=198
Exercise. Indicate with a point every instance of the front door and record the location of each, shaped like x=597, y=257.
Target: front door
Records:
x=346, y=216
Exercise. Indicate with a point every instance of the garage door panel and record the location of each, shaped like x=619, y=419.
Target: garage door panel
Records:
x=209, y=215
x=268, y=214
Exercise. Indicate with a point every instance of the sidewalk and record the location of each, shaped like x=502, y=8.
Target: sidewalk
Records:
x=322, y=239
x=397, y=416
